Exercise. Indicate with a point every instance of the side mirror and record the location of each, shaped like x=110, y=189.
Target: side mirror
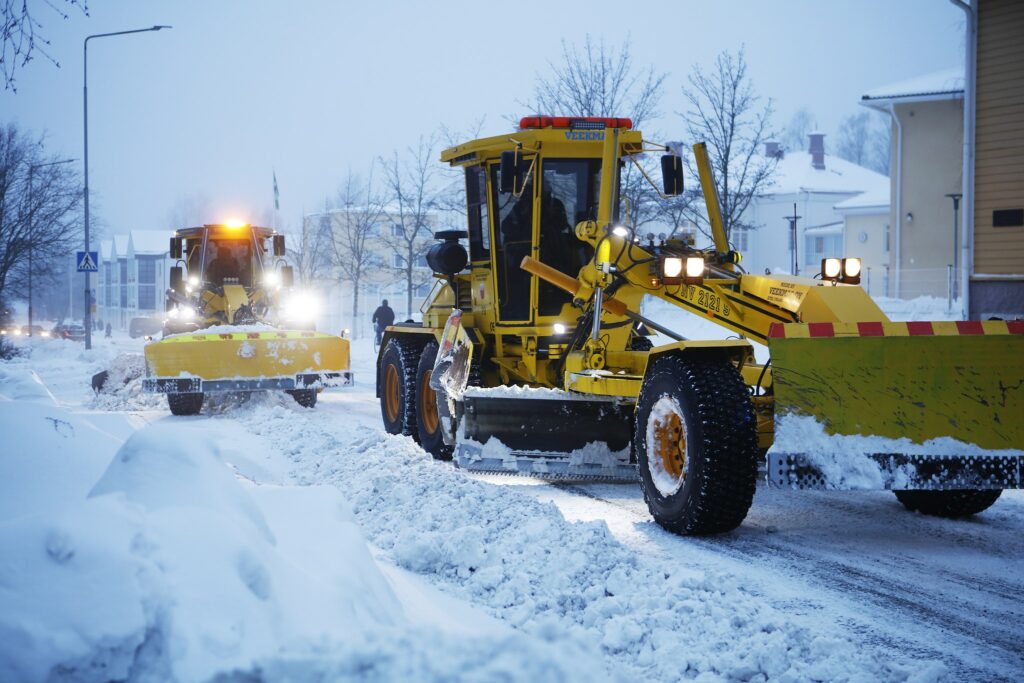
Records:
x=672, y=174
x=278, y=245
x=287, y=276
x=511, y=173
x=177, y=280
x=175, y=248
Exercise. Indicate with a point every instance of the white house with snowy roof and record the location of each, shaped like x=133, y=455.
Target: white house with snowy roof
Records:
x=808, y=184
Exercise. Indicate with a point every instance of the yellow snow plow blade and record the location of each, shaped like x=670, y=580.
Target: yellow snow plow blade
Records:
x=948, y=396
x=246, y=361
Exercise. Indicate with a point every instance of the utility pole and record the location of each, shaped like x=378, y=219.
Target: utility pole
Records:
x=794, y=252
x=31, y=230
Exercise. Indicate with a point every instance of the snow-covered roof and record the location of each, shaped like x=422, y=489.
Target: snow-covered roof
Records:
x=151, y=242
x=876, y=198
x=105, y=247
x=794, y=173
x=826, y=229
x=946, y=84
x=121, y=246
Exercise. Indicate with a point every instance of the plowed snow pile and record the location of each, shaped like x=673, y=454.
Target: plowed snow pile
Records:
x=557, y=579
x=123, y=388
x=153, y=562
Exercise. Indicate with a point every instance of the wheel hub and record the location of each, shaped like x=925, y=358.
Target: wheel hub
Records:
x=666, y=446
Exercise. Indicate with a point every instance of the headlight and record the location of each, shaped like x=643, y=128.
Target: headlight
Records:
x=44, y=333
x=272, y=279
x=620, y=231
x=302, y=307
x=851, y=267
x=559, y=328
x=831, y=268
x=187, y=313
x=672, y=267
x=193, y=281
x=694, y=267
x=173, y=313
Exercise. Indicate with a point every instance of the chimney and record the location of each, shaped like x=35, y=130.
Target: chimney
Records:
x=817, y=150
x=773, y=150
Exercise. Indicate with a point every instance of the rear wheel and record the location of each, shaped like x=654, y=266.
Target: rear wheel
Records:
x=185, y=404
x=955, y=503
x=428, y=422
x=397, y=387
x=304, y=397
x=696, y=445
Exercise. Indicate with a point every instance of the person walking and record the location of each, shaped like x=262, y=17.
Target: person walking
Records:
x=107, y=333
x=382, y=318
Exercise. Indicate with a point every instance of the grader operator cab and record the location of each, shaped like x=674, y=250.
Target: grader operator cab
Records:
x=535, y=359
x=236, y=323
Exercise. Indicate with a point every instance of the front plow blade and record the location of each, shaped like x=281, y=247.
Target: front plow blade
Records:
x=246, y=361
x=557, y=437
x=920, y=405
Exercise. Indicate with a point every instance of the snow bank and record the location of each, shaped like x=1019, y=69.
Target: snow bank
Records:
x=123, y=389
x=160, y=564
x=572, y=584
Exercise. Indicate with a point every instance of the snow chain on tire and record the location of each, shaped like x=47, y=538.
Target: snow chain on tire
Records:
x=720, y=469
x=402, y=354
x=954, y=503
x=304, y=397
x=431, y=441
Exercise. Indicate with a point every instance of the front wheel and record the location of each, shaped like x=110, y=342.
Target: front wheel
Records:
x=185, y=404
x=955, y=503
x=696, y=445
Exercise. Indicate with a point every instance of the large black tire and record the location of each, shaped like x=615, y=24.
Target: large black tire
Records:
x=428, y=424
x=955, y=503
x=696, y=445
x=185, y=404
x=397, y=386
x=304, y=397
x=638, y=343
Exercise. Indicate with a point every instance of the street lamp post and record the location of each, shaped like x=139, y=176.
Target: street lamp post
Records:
x=31, y=229
x=87, y=320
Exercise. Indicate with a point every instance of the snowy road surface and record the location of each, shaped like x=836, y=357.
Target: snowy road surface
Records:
x=813, y=586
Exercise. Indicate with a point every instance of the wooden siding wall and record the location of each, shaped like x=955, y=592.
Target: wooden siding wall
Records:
x=999, y=136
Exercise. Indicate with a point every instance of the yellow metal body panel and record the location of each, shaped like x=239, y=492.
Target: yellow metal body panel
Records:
x=246, y=355
x=900, y=384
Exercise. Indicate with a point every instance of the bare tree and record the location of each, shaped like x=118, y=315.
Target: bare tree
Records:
x=411, y=197
x=22, y=34
x=450, y=198
x=311, y=247
x=43, y=223
x=351, y=226
x=795, y=137
x=864, y=140
x=597, y=80
x=724, y=111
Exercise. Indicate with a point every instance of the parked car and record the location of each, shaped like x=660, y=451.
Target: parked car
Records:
x=72, y=331
x=142, y=326
x=34, y=330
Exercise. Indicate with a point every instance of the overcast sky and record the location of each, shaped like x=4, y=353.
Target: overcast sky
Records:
x=313, y=88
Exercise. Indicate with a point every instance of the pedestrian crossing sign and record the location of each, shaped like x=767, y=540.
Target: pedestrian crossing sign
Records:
x=87, y=261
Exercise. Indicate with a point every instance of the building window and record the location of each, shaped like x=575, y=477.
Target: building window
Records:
x=422, y=290
x=123, y=272
x=421, y=261
x=397, y=230
x=740, y=239
x=817, y=247
x=397, y=261
x=147, y=271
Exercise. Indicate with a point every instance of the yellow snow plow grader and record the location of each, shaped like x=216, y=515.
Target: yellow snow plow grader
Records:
x=235, y=323
x=534, y=356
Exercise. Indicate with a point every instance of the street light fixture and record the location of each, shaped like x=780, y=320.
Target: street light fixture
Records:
x=31, y=229
x=87, y=320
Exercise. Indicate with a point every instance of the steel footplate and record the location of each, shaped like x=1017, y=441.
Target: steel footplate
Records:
x=897, y=471
x=181, y=385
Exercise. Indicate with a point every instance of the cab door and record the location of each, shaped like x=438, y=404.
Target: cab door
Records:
x=513, y=239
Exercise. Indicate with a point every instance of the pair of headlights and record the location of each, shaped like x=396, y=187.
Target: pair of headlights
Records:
x=181, y=313
x=676, y=270
x=846, y=270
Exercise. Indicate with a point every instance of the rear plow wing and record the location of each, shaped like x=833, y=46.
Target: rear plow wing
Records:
x=919, y=405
